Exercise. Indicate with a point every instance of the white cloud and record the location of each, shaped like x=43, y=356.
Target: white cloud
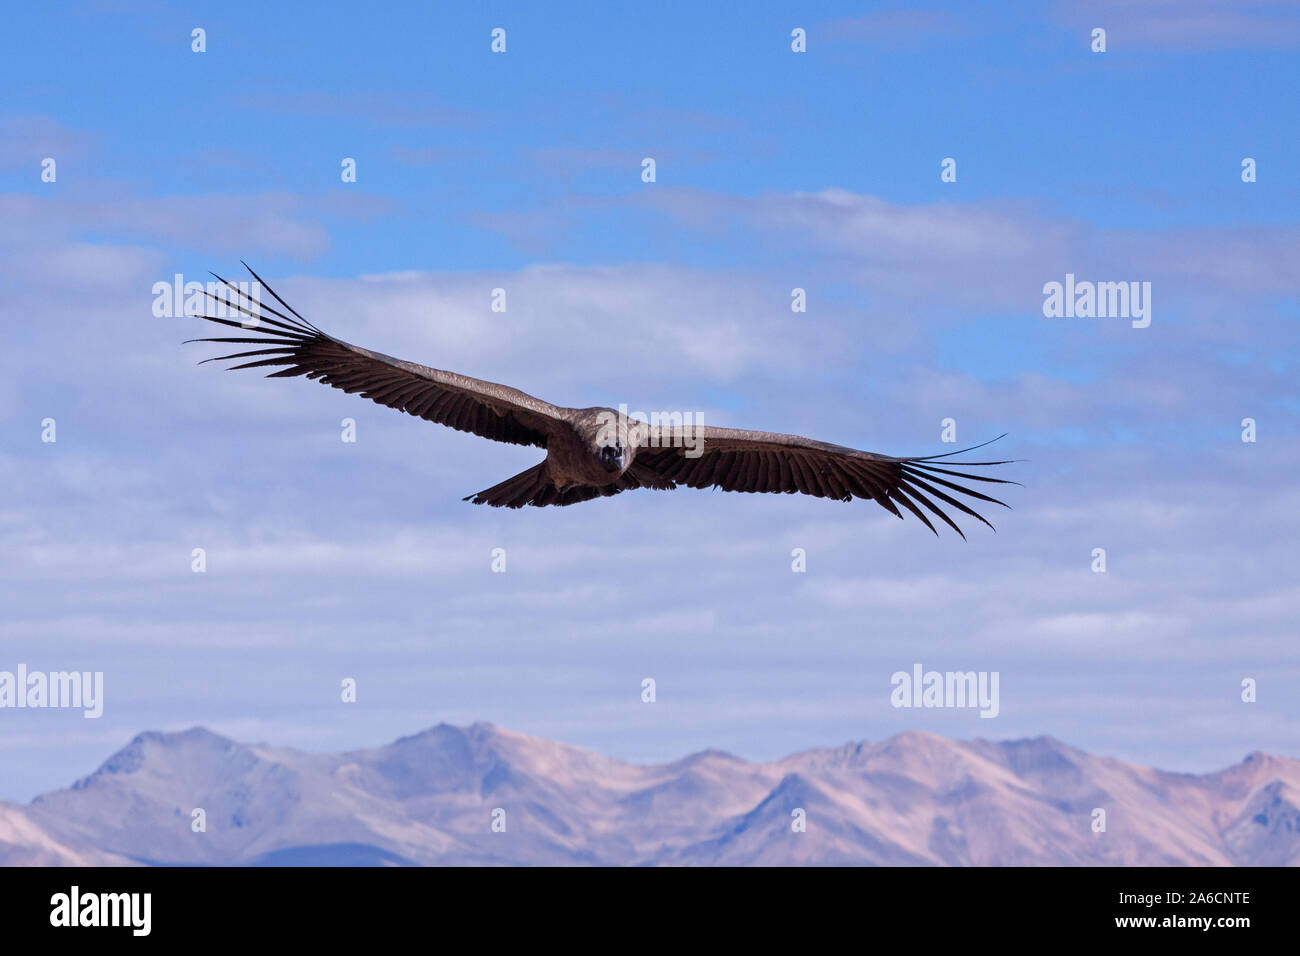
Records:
x=1189, y=24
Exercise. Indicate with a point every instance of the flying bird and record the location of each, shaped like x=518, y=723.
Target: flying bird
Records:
x=595, y=452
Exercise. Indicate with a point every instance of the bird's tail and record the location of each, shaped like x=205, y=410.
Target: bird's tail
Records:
x=535, y=487
x=524, y=488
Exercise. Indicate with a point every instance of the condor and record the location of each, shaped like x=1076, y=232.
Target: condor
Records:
x=585, y=458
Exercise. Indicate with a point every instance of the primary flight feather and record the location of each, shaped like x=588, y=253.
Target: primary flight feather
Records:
x=595, y=452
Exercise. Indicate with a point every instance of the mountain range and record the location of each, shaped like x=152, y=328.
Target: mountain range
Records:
x=481, y=795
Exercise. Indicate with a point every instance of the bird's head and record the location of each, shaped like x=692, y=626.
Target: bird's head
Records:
x=612, y=439
x=612, y=457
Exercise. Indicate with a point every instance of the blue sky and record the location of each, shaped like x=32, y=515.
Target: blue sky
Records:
x=775, y=170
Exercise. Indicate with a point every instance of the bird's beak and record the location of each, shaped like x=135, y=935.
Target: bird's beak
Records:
x=611, y=462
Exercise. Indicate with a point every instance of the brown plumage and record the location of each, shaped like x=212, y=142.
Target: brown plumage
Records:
x=592, y=452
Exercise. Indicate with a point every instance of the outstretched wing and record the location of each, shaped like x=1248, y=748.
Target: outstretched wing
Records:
x=737, y=460
x=466, y=404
